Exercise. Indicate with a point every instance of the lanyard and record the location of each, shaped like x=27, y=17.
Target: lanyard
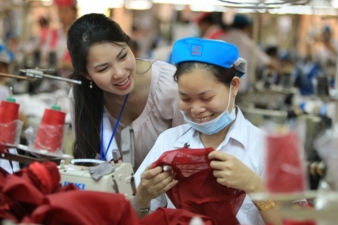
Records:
x=103, y=154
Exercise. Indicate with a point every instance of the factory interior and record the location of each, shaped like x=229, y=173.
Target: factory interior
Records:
x=289, y=91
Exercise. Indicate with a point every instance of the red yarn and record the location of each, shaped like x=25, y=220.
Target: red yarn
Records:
x=9, y=113
x=284, y=167
x=51, y=130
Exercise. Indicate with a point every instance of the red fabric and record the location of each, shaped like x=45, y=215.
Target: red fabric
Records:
x=166, y=216
x=197, y=189
x=46, y=177
x=294, y=222
x=285, y=171
x=85, y=208
x=69, y=3
x=34, y=195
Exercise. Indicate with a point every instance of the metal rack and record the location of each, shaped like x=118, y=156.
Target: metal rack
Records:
x=40, y=156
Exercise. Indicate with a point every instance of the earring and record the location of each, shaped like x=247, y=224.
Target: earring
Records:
x=91, y=84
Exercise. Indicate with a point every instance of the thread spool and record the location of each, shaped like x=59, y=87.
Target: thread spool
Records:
x=285, y=172
x=51, y=130
x=9, y=114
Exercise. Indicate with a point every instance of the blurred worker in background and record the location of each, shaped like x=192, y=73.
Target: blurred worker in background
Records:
x=67, y=12
x=325, y=52
x=239, y=34
x=209, y=25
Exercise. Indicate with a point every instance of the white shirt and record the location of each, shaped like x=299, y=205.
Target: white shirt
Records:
x=244, y=141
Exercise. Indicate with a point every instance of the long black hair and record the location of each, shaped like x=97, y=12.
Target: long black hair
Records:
x=86, y=31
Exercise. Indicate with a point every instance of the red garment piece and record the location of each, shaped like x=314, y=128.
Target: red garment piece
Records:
x=85, y=208
x=197, y=189
x=34, y=195
x=46, y=177
x=166, y=216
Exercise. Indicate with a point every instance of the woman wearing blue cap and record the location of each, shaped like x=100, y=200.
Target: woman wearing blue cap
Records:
x=208, y=75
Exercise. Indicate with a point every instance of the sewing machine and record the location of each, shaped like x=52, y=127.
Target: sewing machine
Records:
x=121, y=180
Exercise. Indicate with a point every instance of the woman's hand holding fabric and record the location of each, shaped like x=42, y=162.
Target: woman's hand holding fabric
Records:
x=154, y=182
x=233, y=173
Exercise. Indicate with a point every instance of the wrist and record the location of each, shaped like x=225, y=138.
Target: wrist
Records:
x=143, y=202
x=141, y=208
x=256, y=186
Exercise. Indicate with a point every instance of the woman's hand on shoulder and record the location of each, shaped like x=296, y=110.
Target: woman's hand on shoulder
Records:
x=154, y=182
x=233, y=173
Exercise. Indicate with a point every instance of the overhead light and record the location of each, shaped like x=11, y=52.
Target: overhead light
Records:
x=260, y=4
x=138, y=4
x=207, y=8
x=304, y=9
x=334, y=3
x=189, y=2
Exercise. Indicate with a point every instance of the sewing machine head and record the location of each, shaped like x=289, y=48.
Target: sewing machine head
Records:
x=119, y=180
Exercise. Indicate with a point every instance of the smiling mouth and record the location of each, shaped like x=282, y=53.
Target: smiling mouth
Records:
x=202, y=119
x=123, y=82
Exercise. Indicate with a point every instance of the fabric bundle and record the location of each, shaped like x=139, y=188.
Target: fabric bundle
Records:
x=34, y=196
x=197, y=189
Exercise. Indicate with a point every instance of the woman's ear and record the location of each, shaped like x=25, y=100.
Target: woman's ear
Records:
x=235, y=83
x=87, y=77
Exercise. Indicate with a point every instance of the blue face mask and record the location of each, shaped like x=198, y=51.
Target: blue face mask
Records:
x=215, y=125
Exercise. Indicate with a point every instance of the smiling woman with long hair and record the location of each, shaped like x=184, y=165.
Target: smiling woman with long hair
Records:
x=123, y=103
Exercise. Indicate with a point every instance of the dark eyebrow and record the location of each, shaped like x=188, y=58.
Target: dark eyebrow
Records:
x=118, y=55
x=202, y=93
x=100, y=65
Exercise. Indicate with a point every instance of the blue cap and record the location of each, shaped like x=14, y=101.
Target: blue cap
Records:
x=5, y=55
x=215, y=52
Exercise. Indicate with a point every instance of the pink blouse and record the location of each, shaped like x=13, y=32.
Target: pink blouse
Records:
x=160, y=113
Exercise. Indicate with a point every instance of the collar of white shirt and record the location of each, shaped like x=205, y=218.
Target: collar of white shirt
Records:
x=237, y=132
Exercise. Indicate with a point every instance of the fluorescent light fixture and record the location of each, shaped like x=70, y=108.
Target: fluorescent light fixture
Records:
x=98, y=6
x=207, y=8
x=334, y=3
x=189, y=2
x=304, y=9
x=138, y=4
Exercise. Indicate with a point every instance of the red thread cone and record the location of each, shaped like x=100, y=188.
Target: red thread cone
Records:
x=284, y=167
x=9, y=113
x=50, y=132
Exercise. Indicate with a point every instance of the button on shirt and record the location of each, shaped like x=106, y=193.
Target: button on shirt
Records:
x=244, y=141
